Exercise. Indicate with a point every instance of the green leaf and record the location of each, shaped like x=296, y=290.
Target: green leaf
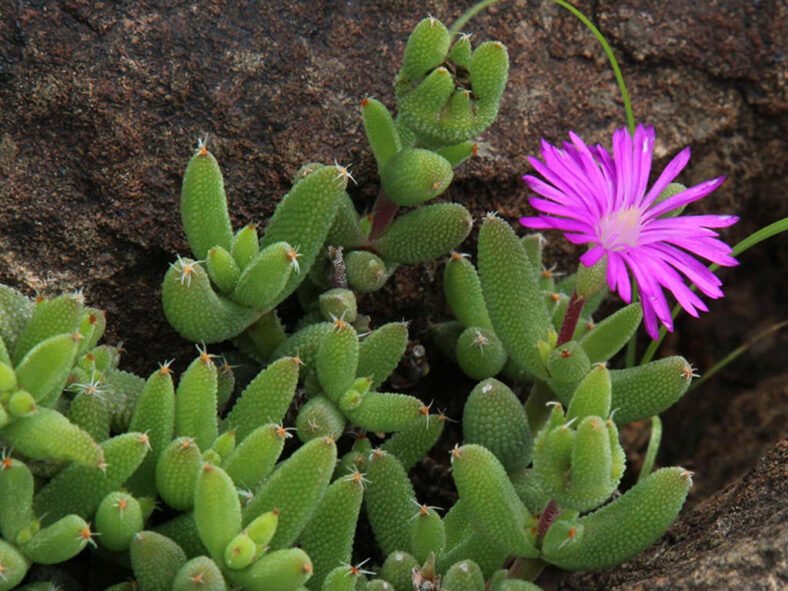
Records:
x=414, y=175
x=495, y=509
x=304, y=217
x=425, y=234
x=266, y=398
x=495, y=418
x=328, y=537
x=203, y=569
x=513, y=299
x=319, y=417
x=388, y=500
x=266, y=275
x=47, y=434
x=196, y=311
x=282, y=570
x=217, y=510
x=177, y=470
x=624, y=528
x=609, y=336
x=337, y=359
x=464, y=292
x=647, y=390
x=80, y=489
x=155, y=560
x=480, y=353
x=204, y=214
x=295, y=488
x=380, y=130
x=222, y=269
x=366, y=271
x=380, y=351
x=385, y=412
x=118, y=519
x=426, y=49
x=254, y=458
x=59, y=542
x=196, y=402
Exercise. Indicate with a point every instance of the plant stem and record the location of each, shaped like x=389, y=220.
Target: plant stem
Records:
x=479, y=6
x=526, y=569
x=572, y=315
x=612, y=58
x=469, y=14
x=738, y=351
x=632, y=344
x=547, y=517
x=338, y=268
x=653, y=447
x=382, y=215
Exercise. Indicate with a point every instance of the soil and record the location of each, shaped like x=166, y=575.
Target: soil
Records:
x=102, y=102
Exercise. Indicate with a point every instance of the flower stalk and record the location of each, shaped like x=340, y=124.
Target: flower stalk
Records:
x=569, y=324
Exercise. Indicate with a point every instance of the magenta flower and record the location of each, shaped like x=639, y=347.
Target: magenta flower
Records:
x=602, y=200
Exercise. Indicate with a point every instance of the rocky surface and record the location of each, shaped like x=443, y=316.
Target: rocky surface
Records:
x=101, y=103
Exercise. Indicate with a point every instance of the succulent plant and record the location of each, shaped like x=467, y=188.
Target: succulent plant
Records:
x=90, y=452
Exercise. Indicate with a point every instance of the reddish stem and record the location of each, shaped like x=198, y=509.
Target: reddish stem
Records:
x=382, y=215
x=547, y=517
x=571, y=317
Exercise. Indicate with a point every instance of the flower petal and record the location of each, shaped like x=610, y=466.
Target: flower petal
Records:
x=686, y=197
x=671, y=171
x=592, y=257
x=600, y=198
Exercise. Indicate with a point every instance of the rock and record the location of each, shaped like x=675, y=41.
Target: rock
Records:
x=102, y=103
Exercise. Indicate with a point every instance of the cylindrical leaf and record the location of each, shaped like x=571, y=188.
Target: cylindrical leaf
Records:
x=622, y=529
x=266, y=276
x=196, y=403
x=217, y=510
x=337, y=359
x=177, y=470
x=492, y=501
x=206, y=221
x=266, y=398
x=480, y=354
x=647, y=390
x=495, y=418
x=425, y=234
x=464, y=292
x=196, y=311
x=118, y=519
x=156, y=560
x=294, y=489
x=414, y=175
x=514, y=302
x=328, y=537
x=319, y=417
x=199, y=573
x=388, y=500
x=609, y=336
x=380, y=352
x=380, y=130
x=254, y=458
